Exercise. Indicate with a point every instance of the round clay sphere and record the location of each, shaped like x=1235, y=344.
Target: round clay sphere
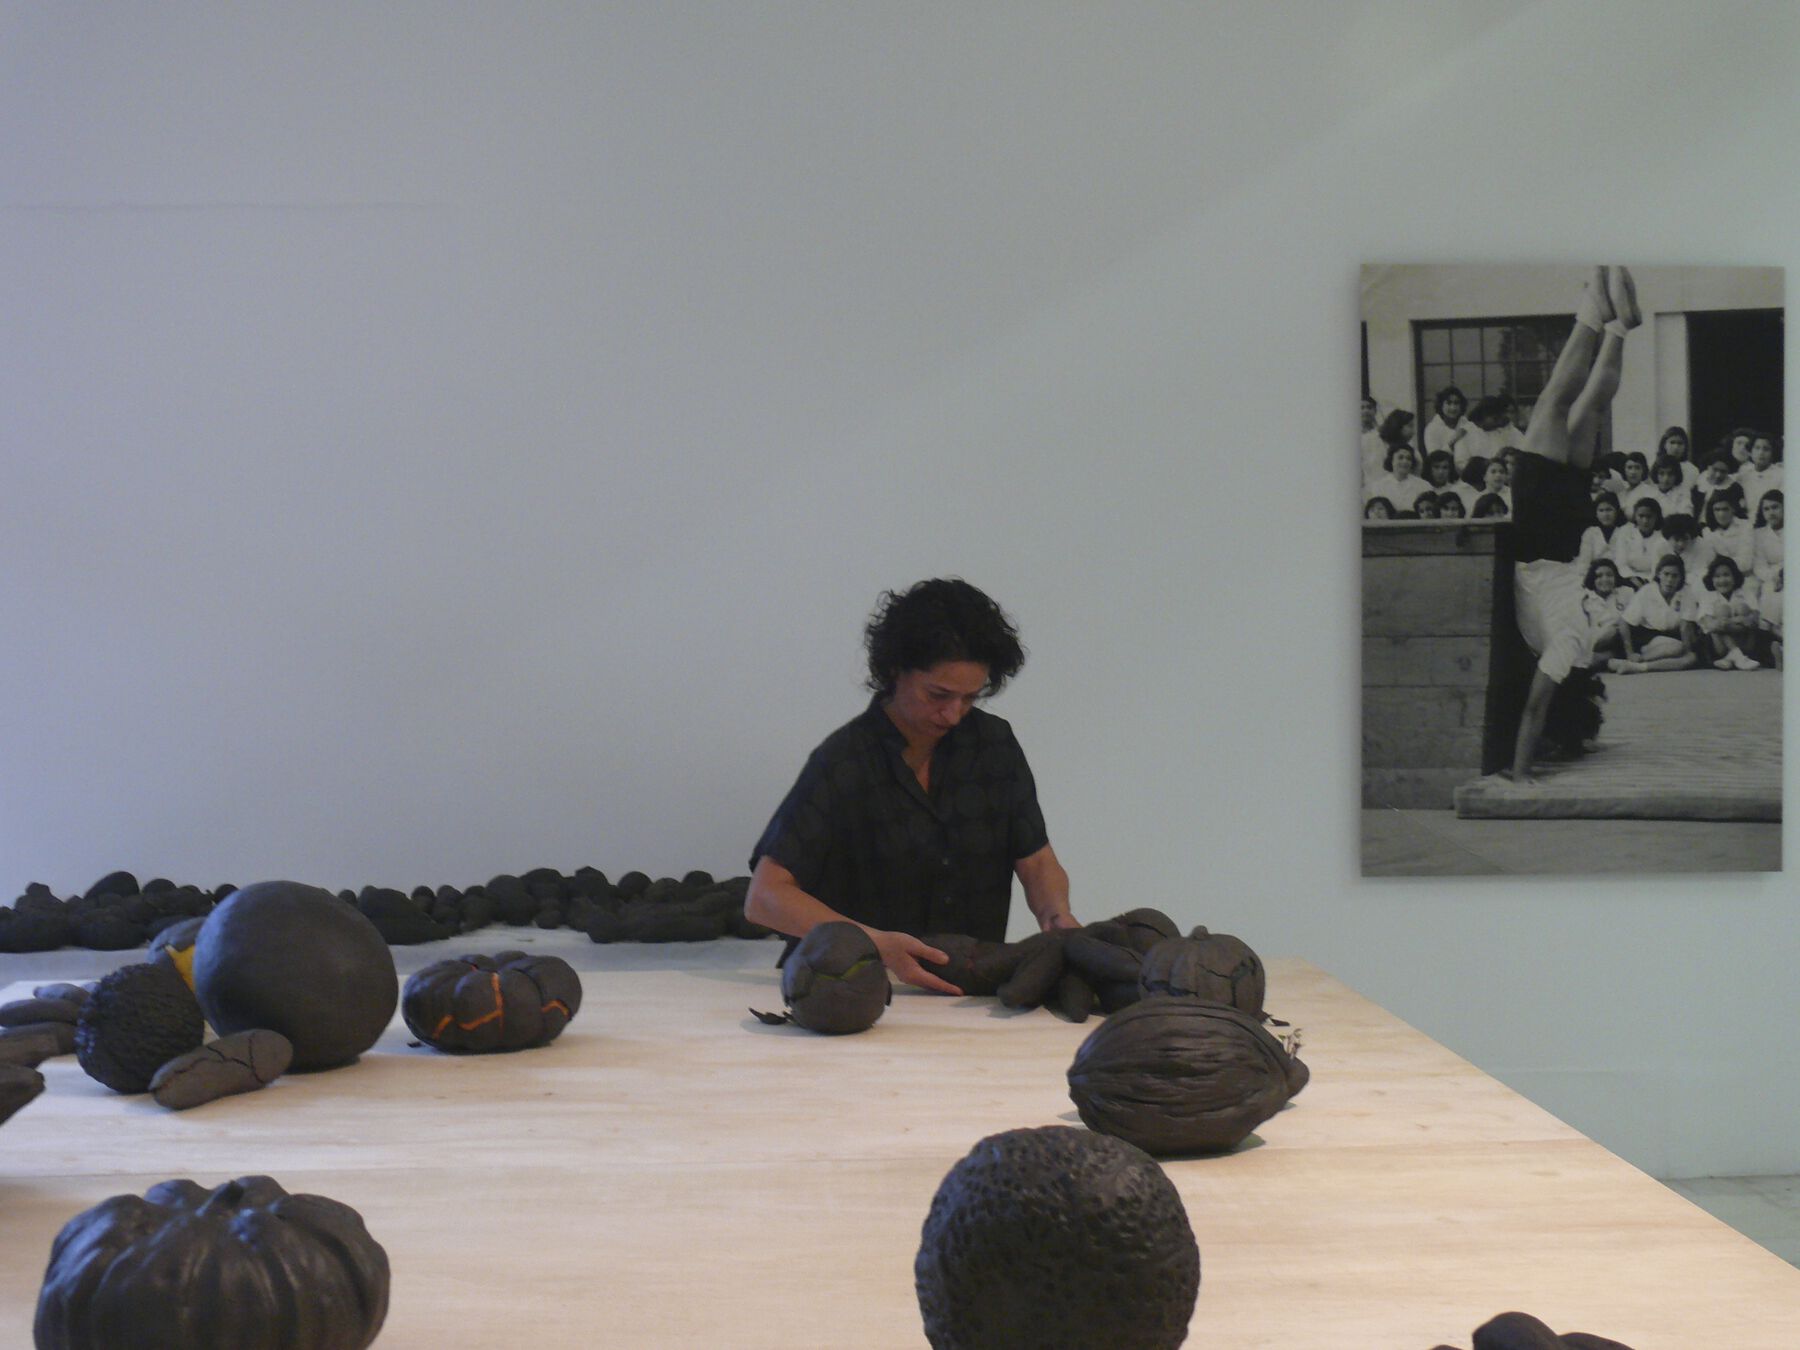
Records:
x=1056, y=1237
x=834, y=981
x=298, y=960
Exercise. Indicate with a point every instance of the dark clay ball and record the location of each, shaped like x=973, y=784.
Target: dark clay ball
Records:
x=297, y=960
x=834, y=980
x=1056, y=1237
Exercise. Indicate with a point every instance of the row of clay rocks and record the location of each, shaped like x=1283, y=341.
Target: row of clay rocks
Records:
x=115, y=914
x=1106, y=966
x=635, y=908
x=139, y=1029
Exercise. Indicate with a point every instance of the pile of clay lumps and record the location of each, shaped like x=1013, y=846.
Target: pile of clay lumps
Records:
x=117, y=914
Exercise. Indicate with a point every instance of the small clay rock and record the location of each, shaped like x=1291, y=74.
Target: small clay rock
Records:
x=32, y=1045
x=240, y=1062
x=26, y=1011
x=114, y=883
x=73, y=993
x=35, y=929
x=19, y=1084
x=107, y=929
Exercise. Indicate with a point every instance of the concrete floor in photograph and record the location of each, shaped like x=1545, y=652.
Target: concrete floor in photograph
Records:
x=1695, y=745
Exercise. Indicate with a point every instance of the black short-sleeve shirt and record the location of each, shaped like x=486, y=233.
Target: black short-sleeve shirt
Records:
x=860, y=834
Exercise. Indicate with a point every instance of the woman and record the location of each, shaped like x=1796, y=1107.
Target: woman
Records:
x=1551, y=502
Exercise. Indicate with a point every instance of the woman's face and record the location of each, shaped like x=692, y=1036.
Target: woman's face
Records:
x=1606, y=581
x=1668, y=581
x=1740, y=448
x=1452, y=409
x=1674, y=445
x=1441, y=469
x=1721, y=513
x=1427, y=507
x=1368, y=414
x=1723, y=581
x=1645, y=518
x=1762, y=452
x=1634, y=472
x=1404, y=463
x=1493, y=478
x=1451, y=507
x=1667, y=477
x=1607, y=514
x=1772, y=512
x=1377, y=510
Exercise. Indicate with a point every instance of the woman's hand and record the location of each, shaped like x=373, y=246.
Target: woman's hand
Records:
x=901, y=954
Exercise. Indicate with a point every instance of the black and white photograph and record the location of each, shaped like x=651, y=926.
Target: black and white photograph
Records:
x=1572, y=569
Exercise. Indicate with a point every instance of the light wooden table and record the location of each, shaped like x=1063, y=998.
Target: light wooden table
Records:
x=672, y=1173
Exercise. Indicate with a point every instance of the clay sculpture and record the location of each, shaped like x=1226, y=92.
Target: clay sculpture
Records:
x=1181, y=1075
x=138, y=1018
x=175, y=944
x=1206, y=965
x=245, y=1266
x=1055, y=1237
x=1521, y=1331
x=297, y=960
x=19, y=1085
x=478, y=1004
x=33, y=1044
x=834, y=981
x=240, y=1062
x=970, y=961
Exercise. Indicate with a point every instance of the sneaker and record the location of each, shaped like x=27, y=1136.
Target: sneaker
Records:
x=1725, y=663
x=1744, y=661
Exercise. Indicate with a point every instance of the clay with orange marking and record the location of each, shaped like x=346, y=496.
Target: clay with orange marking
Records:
x=481, y=1004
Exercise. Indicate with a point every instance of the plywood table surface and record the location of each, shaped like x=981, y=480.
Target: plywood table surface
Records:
x=673, y=1173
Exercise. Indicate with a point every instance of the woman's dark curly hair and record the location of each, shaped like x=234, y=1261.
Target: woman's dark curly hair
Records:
x=944, y=619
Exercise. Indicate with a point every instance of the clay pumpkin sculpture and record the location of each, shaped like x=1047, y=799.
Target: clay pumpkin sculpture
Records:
x=1182, y=1075
x=1055, y=1237
x=833, y=982
x=1206, y=965
x=245, y=1266
x=298, y=960
x=484, y=1004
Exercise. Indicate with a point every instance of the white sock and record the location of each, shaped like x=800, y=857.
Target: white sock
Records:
x=1618, y=328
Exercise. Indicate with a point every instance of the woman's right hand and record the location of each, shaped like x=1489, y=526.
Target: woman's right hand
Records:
x=901, y=953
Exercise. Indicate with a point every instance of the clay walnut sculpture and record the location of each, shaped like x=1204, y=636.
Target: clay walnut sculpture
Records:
x=1182, y=1075
x=1056, y=1237
x=297, y=960
x=479, y=1004
x=138, y=1018
x=245, y=1266
x=1206, y=965
x=833, y=981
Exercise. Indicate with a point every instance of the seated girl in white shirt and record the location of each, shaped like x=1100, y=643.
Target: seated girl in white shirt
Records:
x=1451, y=505
x=1672, y=495
x=1769, y=553
x=1603, y=600
x=1762, y=474
x=1596, y=540
x=1674, y=444
x=1636, y=470
x=1659, y=630
x=1637, y=546
x=1727, y=619
x=1731, y=538
x=1401, y=484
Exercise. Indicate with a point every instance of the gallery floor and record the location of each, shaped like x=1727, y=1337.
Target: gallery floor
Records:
x=673, y=1173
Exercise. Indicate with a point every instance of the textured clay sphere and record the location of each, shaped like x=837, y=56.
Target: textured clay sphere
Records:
x=1056, y=1237
x=138, y=1018
x=297, y=960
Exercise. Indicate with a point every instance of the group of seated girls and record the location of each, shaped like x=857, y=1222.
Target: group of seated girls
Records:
x=1668, y=593
x=1482, y=490
x=1464, y=471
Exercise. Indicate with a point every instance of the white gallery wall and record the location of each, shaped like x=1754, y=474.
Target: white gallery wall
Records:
x=441, y=439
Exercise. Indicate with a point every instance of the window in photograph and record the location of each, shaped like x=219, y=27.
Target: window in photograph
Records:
x=1482, y=357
